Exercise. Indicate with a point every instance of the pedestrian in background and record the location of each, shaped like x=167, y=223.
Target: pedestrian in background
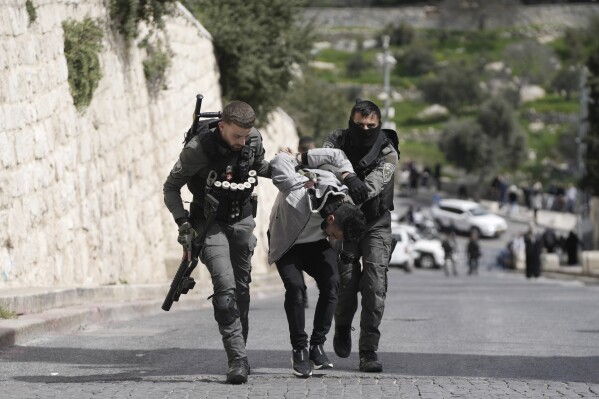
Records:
x=533, y=246
x=536, y=199
x=448, y=245
x=572, y=244
x=473, y=252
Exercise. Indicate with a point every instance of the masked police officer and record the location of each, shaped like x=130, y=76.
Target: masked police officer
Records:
x=373, y=152
x=222, y=158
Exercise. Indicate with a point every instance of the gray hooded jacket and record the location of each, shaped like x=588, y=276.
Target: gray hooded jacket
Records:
x=294, y=205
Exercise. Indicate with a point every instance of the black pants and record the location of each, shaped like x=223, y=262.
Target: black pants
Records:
x=319, y=261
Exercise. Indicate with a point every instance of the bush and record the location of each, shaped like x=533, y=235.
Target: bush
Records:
x=399, y=35
x=82, y=44
x=126, y=14
x=566, y=81
x=355, y=65
x=258, y=44
x=30, y=11
x=454, y=87
x=155, y=67
x=416, y=61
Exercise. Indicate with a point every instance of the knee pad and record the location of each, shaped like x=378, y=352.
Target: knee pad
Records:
x=225, y=309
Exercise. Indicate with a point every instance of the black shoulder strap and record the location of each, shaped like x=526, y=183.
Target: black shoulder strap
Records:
x=393, y=138
x=202, y=127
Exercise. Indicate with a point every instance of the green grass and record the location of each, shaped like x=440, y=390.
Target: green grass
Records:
x=421, y=152
x=7, y=314
x=470, y=48
x=553, y=103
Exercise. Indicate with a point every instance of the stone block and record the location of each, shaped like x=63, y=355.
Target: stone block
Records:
x=549, y=262
x=8, y=157
x=590, y=262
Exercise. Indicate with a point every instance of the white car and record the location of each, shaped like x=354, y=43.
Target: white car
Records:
x=426, y=253
x=402, y=254
x=468, y=216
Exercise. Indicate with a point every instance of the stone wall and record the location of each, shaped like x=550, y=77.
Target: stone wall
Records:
x=81, y=194
x=573, y=15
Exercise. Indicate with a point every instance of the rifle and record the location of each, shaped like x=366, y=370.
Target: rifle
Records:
x=196, y=118
x=183, y=282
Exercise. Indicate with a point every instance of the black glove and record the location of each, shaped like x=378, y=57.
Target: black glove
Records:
x=186, y=235
x=357, y=189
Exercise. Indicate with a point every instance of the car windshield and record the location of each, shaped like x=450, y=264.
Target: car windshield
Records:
x=478, y=211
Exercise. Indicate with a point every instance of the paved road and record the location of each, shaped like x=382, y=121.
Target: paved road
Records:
x=492, y=335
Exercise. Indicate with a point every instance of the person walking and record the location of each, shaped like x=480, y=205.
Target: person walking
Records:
x=373, y=153
x=222, y=154
x=448, y=245
x=533, y=246
x=473, y=252
x=312, y=205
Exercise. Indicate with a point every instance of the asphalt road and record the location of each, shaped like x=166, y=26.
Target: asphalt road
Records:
x=492, y=335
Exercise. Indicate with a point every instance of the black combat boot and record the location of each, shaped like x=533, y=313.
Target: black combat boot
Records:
x=238, y=371
x=369, y=362
x=342, y=340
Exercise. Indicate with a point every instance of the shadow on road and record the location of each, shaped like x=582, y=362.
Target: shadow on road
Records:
x=180, y=363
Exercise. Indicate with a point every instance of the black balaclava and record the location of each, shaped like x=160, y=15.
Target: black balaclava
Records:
x=360, y=141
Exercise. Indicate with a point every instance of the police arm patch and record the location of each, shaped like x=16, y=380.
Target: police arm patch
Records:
x=388, y=169
x=177, y=168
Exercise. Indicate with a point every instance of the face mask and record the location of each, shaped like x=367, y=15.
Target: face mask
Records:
x=363, y=138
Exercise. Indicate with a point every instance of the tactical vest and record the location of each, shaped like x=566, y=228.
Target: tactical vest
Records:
x=374, y=207
x=230, y=180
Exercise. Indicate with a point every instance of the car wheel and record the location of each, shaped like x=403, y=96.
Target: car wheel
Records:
x=426, y=261
x=475, y=230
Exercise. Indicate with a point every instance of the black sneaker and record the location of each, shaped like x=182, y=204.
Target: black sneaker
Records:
x=238, y=371
x=319, y=359
x=300, y=361
x=342, y=340
x=369, y=362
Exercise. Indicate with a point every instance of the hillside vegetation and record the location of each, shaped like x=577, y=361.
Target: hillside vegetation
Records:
x=538, y=76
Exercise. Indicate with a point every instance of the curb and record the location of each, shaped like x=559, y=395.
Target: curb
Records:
x=70, y=309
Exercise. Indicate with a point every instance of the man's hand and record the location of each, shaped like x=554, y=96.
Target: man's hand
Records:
x=357, y=189
x=186, y=235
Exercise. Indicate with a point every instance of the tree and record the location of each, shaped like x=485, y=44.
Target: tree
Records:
x=482, y=146
x=317, y=108
x=531, y=61
x=454, y=86
x=590, y=180
x=416, y=61
x=256, y=45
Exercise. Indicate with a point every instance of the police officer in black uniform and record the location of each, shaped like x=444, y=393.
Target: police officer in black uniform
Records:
x=222, y=158
x=373, y=153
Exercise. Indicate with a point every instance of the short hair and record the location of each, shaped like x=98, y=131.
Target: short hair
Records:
x=351, y=220
x=239, y=113
x=305, y=143
x=365, y=108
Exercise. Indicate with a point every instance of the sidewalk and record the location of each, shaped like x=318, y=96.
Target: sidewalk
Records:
x=41, y=310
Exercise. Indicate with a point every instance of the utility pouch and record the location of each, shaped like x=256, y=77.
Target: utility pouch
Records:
x=254, y=202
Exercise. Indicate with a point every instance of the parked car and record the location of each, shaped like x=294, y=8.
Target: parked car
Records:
x=402, y=253
x=426, y=252
x=468, y=216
